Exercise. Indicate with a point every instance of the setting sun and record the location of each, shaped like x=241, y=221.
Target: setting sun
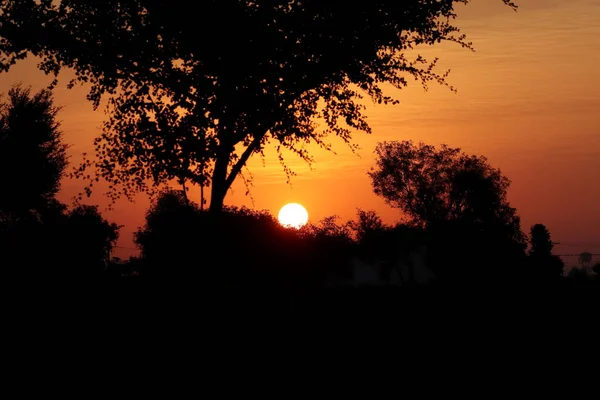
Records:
x=293, y=215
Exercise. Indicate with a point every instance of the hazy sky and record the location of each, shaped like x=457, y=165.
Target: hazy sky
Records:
x=528, y=99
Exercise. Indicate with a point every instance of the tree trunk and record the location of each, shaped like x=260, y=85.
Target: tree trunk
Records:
x=221, y=181
x=218, y=185
x=185, y=196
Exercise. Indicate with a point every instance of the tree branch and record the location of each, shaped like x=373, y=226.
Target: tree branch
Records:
x=243, y=159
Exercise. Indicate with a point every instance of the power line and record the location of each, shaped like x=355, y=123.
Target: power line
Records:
x=575, y=255
x=577, y=244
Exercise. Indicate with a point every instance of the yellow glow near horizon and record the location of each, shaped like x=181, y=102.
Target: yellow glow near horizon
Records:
x=293, y=215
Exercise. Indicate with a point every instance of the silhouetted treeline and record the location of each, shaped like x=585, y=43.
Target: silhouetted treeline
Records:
x=238, y=246
x=39, y=236
x=245, y=248
x=460, y=230
x=190, y=106
x=460, y=224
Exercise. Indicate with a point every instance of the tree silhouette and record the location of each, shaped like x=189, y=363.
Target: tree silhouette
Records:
x=171, y=236
x=545, y=265
x=191, y=104
x=32, y=154
x=433, y=185
x=460, y=199
x=237, y=246
x=87, y=241
x=330, y=245
x=366, y=224
x=541, y=243
x=38, y=235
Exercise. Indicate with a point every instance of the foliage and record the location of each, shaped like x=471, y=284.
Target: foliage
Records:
x=461, y=202
x=432, y=185
x=191, y=104
x=90, y=238
x=541, y=242
x=235, y=246
x=329, y=227
x=178, y=239
x=366, y=224
x=171, y=230
x=329, y=246
x=71, y=244
x=36, y=230
x=32, y=153
x=544, y=263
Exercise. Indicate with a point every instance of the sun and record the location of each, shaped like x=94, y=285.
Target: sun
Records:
x=293, y=215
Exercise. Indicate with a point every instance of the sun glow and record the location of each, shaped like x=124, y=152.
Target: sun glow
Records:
x=293, y=215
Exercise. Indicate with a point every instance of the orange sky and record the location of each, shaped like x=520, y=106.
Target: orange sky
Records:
x=528, y=100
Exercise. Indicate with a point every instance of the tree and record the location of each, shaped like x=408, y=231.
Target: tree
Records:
x=72, y=243
x=32, y=154
x=434, y=185
x=367, y=223
x=189, y=104
x=459, y=199
x=544, y=263
x=88, y=240
x=258, y=249
x=540, y=240
x=39, y=236
x=171, y=235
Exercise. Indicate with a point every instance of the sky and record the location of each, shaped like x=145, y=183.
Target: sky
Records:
x=528, y=99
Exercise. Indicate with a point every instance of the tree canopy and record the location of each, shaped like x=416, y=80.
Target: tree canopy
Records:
x=545, y=265
x=90, y=237
x=460, y=201
x=194, y=90
x=32, y=154
x=540, y=240
x=433, y=185
x=38, y=234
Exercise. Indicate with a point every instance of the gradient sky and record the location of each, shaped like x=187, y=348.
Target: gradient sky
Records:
x=528, y=99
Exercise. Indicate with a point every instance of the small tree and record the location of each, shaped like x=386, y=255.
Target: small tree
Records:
x=171, y=235
x=88, y=240
x=367, y=223
x=540, y=240
x=32, y=153
x=546, y=266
